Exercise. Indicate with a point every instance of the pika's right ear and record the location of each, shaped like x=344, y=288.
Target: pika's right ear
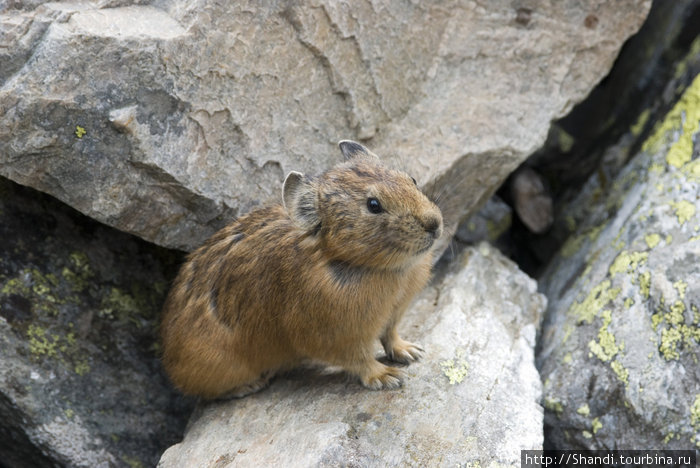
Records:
x=299, y=199
x=352, y=149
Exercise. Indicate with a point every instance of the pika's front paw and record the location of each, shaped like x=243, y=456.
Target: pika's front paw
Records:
x=404, y=352
x=383, y=377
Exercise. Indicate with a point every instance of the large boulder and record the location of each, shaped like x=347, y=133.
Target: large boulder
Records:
x=167, y=120
x=474, y=399
x=80, y=380
x=621, y=342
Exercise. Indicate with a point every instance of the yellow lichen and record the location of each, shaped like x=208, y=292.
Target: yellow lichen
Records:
x=684, y=117
x=599, y=296
x=644, y=284
x=652, y=240
x=552, y=404
x=657, y=168
x=596, y=425
x=584, y=410
x=684, y=210
x=695, y=413
x=670, y=338
x=605, y=348
x=80, y=131
x=627, y=261
x=40, y=343
x=692, y=169
x=642, y=120
x=620, y=371
x=457, y=369
x=674, y=316
x=82, y=367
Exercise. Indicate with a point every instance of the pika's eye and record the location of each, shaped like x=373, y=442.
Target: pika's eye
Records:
x=414, y=181
x=374, y=206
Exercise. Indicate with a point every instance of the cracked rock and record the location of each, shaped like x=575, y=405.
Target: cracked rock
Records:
x=168, y=119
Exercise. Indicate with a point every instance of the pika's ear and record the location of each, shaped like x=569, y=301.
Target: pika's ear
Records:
x=352, y=149
x=299, y=199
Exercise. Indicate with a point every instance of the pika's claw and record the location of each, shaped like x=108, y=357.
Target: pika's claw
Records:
x=386, y=378
x=405, y=352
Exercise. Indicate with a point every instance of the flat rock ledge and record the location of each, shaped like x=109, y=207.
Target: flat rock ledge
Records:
x=473, y=399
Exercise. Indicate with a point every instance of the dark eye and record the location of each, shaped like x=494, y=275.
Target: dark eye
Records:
x=414, y=181
x=374, y=206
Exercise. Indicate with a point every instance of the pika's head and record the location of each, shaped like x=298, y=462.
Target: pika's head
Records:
x=364, y=213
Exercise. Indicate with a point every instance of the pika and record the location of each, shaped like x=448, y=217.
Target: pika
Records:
x=319, y=277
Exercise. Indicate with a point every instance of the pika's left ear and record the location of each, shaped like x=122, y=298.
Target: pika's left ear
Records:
x=299, y=199
x=352, y=149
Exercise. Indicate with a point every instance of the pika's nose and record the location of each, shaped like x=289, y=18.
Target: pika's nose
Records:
x=433, y=225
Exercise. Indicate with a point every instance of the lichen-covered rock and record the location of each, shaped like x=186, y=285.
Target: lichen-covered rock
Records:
x=474, y=398
x=621, y=341
x=167, y=120
x=80, y=381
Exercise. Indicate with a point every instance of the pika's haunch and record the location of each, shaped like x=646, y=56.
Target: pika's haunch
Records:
x=319, y=277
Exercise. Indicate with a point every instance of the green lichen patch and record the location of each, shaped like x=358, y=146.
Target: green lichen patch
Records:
x=596, y=425
x=63, y=348
x=124, y=306
x=584, y=410
x=683, y=118
x=644, y=280
x=627, y=262
x=554, y=405
x=597, y=298
x=620, y=371
x=41, y=343
x=78, y=273
x=605, y=348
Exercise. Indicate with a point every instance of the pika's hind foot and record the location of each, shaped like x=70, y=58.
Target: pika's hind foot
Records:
x=383, y=377
x=403, y=352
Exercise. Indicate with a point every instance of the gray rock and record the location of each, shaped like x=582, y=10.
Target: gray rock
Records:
x=621, y=341
x=167, y=119
x=80, y=380
x=473, y=400
x=487, y=224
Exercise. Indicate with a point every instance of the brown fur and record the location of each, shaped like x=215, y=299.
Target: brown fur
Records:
x=319, y=278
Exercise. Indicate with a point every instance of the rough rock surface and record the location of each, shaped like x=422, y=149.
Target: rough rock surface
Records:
x=621, y=341
x=166, y=119
x=80, y=381
x=474, y=398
